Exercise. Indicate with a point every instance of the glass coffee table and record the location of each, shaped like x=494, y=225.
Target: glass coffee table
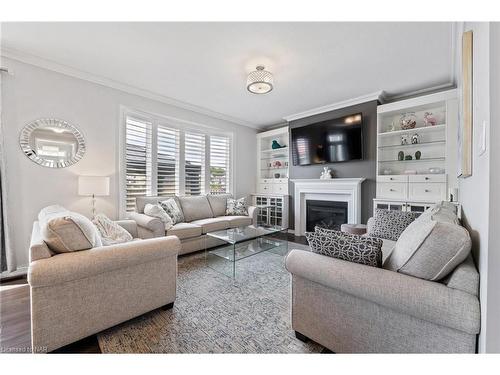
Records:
x=243, y=242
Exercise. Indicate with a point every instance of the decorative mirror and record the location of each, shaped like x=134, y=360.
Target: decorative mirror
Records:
x=52, y=143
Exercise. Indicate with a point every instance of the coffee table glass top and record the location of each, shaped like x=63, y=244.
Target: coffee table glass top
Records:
x=241, y=234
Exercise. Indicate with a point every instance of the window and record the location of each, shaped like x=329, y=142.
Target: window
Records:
x=163, y=159
x=194, y=164
x=138, y=160
x=219, y=164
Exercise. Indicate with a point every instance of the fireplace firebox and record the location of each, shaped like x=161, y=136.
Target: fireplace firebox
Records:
x=325, y=214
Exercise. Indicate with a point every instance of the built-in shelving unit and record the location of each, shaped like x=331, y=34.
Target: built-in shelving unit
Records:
x=272, y=163
x=424, y=179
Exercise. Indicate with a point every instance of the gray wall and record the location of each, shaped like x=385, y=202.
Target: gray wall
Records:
x=358, y=168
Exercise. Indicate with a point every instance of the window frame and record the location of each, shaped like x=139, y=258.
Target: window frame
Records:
x=182, y=126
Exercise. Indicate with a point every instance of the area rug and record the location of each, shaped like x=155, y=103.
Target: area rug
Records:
x=214, y=314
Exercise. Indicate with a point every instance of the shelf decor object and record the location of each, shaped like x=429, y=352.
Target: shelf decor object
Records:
x=465, y=124
x=422, y=156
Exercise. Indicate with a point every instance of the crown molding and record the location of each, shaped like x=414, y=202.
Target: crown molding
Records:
x=86, y=76
x=378, y=95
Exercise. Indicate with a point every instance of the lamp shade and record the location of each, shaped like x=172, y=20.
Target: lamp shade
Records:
x=93, y=185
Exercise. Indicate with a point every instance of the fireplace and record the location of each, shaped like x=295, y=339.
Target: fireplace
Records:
x=325, y=214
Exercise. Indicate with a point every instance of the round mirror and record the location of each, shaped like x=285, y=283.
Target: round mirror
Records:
x=52, y=143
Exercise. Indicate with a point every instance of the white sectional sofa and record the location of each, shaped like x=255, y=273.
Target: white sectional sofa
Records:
x=202, y=214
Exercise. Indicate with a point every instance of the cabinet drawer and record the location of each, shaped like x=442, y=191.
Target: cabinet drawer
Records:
x=427, y=192
x=392, y=178
x=428, y=178
x=280, y=189
x=265, y=188
x=391, y=190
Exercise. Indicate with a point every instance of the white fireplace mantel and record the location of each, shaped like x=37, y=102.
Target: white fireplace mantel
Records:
x=336, y=189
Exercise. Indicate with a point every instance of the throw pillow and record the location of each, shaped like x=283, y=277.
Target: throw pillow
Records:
x=173, y=210
x=389, y=224
x=236, y=207
x=111, y=232
x=156, y=210
x=64, y=231
x=345, y=246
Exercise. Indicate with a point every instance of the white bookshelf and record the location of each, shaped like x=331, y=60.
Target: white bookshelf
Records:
x=409, y=184
x=273, y=164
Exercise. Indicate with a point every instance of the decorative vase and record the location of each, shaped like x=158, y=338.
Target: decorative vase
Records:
x=408, y=120
x=429, y=119
x=418, y=154
x=401, y=155
x=275, y=145
x=277, y=175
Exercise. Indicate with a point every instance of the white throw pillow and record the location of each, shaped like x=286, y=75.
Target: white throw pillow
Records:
x=155, y=210
x=111, y=232
x=64, y=231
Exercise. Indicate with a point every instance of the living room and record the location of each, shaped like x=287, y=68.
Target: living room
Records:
x=249, y=187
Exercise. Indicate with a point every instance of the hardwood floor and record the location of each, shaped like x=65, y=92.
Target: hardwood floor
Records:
x=15, y=324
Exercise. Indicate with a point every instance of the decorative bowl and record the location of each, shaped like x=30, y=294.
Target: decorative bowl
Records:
x=408, y=121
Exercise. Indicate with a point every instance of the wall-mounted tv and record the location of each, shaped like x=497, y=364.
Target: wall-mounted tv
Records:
x=330, y=141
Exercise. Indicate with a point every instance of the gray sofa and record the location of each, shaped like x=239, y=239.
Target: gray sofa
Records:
x=353, y=308
x=80, y=293
x=202, y=214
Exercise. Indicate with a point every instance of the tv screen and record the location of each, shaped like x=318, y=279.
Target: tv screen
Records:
x=328, y=141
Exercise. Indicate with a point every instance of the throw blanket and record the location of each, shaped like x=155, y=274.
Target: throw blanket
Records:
x=111, y=232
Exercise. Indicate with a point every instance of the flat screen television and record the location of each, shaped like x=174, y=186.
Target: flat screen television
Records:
x=330, y=141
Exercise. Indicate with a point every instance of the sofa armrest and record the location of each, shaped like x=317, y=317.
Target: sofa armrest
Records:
x=252, y=212
x=151, y=224
x=38, y=247
x=422, y=299
x=77, y=265
x=129, y=225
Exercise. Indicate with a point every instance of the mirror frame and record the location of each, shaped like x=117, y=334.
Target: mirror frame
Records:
x=25, y=134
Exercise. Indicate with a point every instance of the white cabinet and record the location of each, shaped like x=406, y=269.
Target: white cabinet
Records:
x=407, y=159
x=277, y=214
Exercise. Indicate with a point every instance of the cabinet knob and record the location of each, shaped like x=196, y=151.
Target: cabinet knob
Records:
x=427, y=190
x=426, y=178
x=391, y=178
x=392, y=190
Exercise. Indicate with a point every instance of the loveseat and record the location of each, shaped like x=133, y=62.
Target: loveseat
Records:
x=79, y=293
x=202, y=214
x=353, y=308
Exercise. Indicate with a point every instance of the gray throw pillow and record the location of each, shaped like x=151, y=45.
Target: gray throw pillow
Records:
x=173, y=210
x=345, y=246
x=236, y=207
x=389, y=224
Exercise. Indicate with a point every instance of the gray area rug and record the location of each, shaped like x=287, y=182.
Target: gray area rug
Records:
x=213, y=314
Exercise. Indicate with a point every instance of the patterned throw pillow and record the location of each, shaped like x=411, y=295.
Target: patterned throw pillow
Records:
x=111, y=232
x=236, y=207
x=172, y=209
x=156, y=210
x=389, y=224
x=345, y=246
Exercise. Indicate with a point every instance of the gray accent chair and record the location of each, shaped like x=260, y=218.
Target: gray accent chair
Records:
x=353, y=308
x=80, y=293
x=202, y=214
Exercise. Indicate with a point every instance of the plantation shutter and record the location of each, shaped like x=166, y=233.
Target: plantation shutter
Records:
x=138, y=160
x=219, y=164
x=167, y=161
x=194, y=163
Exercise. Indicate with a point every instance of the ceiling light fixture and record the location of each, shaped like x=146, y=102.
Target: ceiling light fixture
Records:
x=260, y=81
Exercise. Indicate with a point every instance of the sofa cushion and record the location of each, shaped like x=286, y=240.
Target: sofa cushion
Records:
x=238, y=221
x=430, y=247
x=218, y=203
x=212, y=224
x=185, y=230
x=195, y=208
x=173, y=209
x=64, y=231
x=345, y=246
x=389, y=224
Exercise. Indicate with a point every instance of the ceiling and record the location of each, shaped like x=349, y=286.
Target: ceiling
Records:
x=205, y=64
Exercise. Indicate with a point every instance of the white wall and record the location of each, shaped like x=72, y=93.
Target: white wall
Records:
x=479, y=193
x=34, y=93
